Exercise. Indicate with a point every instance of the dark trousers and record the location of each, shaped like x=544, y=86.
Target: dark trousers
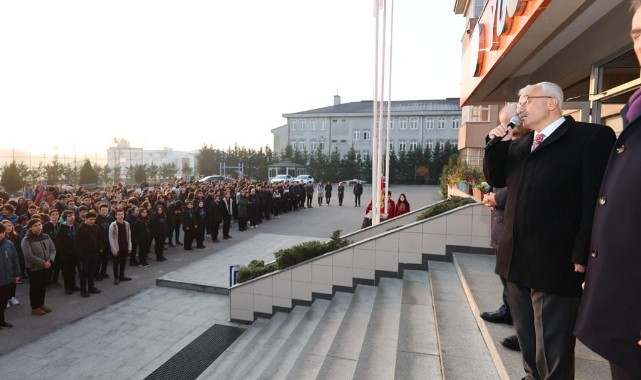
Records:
x=327, y=198
x=226, y=226
x=120, y=262
x=69, y=265
x=103, y=258
x=215, y=227
x=171, y=230
x=309, y=200
x=200, y=235
x=143, y=250
x=544, y=324
x=86, y=269
x=5, y=291
x=38, y=281
x=618, y=373
x=57, y=265
x=132, y=255
x=340, y=200
x=320, y=200
x=242, y=223
x=158, y=246
x=189, y=238
x=357, y=200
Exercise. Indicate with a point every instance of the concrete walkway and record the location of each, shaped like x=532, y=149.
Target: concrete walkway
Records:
x=129, y=330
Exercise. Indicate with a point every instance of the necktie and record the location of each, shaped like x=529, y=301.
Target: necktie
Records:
x=537, y=140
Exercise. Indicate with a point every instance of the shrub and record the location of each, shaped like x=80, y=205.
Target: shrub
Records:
x=446, y=205
x=255, y=269
x=287, y=257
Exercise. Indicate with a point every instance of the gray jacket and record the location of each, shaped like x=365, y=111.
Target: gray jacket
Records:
x=37, y=250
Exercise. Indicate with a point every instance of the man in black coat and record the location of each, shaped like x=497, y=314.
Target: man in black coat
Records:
x=609, y=320
x=553, y=176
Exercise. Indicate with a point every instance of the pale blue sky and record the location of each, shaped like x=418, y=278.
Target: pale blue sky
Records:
x=182, y=73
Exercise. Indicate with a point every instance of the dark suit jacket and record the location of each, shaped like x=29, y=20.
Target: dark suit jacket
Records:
x=552, y=194
x=610, y=316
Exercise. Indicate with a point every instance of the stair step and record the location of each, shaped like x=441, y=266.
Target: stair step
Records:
x=257, y=357
x=230, y=361
x=309, y=361
x=378, y=353
x=341, y=358
x=418, y=354
x=228, y=357
x=293, y=346
x=483, y=289
x=464, y=354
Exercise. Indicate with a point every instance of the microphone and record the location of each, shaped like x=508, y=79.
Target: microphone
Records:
x=513, y=123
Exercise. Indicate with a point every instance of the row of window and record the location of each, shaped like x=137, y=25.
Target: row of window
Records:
x=402, y=145
x=315, y=124
x=403, y=123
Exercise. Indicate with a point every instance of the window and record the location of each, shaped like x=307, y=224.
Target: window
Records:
x=391, y=145
x=312, y=145
x=391, y=123
x=301, y=145
x=401, y=146
x=367, y=134
x=358, y=156
x=366, y=155
x=293, y=124
x=441, y=145
x=480, y=113
x=403, y=123
x=413, y=145
x=440, y=123
x=314, y=123
x=302, y=124
x=343, y=121
x=430, y=145
x=321, y=145
x=323, y=124
x=356, y=134
x=414, y=123
x=429, y=123
x=456, y=123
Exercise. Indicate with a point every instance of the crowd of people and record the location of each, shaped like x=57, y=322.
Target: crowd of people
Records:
x=76, y=232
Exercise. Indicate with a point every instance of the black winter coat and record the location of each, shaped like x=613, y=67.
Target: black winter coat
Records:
x=552, y=193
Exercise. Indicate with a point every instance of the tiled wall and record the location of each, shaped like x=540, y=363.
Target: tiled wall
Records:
x=466, y=226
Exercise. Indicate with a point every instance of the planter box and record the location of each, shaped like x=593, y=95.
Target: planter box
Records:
x=478, y=194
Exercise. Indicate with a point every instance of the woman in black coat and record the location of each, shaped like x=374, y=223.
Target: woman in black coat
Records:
x=201, y=223
x=142, y=235
x=189, y=224
x=158, y=228
x=328, y=192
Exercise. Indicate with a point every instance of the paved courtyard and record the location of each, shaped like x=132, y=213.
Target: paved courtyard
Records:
x=129, y=330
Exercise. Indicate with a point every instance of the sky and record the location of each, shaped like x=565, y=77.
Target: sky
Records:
x=75, y=75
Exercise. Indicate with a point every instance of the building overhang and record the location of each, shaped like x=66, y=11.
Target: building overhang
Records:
x=522, y=42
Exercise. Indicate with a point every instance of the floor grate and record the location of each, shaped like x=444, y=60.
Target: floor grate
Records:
x=192, y=360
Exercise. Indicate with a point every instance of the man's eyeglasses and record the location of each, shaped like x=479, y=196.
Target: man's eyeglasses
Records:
x=527, y=100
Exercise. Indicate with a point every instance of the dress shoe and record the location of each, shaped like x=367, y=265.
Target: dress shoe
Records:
x=38, y=311
x=116, y=281
x=84, y=293
x=134, y=263
x=161, y=259
x=46, y=308
x=178, y=243
x=511, y=342
x=497, y=317
x=104, y=275
x=201, y=246
x=216, y=241
x=68, y=291
x=98, y=278
x=94, y=290
x=123, y=278
x=171, y=245
x=5, y=325
x=75, y=288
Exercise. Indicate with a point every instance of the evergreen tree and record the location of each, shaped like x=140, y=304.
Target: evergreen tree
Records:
x=88, y=174
x=11, y=179
x=168, y=170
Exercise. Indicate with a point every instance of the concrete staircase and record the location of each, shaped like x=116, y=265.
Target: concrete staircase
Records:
x=419, y=326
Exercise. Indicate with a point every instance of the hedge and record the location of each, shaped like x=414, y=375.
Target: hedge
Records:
x=446, y=205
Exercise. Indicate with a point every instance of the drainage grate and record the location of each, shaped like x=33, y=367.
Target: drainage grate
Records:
x=192, y=360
